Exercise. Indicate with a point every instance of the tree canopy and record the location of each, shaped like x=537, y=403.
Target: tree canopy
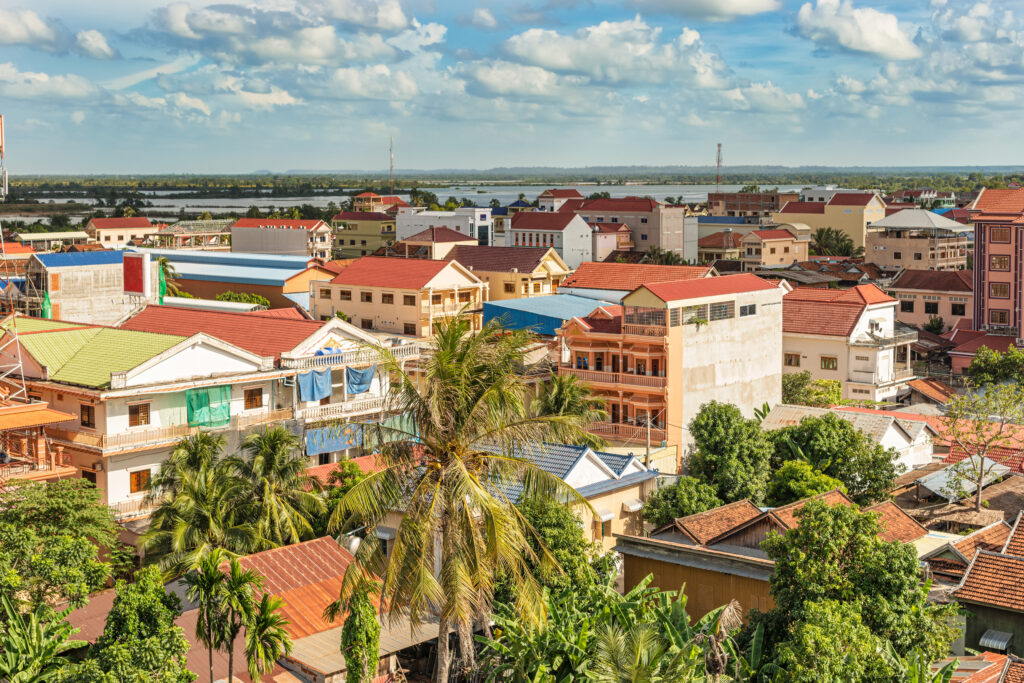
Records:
x=799, y=389
x=796, y=480
x=732, y=453
x=688, y=496
x=990, y=367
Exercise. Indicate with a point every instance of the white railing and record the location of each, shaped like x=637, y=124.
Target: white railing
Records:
x=616, y=430
x=614, y=377
x=348, y=358
x=334, y=411
x=244, y=420
x=644, y=330
x=136, y=507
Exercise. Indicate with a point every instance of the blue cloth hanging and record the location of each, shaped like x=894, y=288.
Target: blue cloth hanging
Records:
x=358, y=381
x=314, y=385
x=334, y=438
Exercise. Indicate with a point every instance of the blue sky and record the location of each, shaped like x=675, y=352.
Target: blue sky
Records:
x=136, y=86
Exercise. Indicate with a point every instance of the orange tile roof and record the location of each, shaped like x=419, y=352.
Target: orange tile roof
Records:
x=389, y=271
x=1014, y=672
x=290, y=313
x=935, y=389
x=778, y=234
x=708, y=525
x=1009, y=456
x=787, y=513
x=986, y=667
x=1015, y=541
x=897, y=525
x=714, y=286
x=727, y=239
x=1000, y=202
x=26, y=415
x=367, y=463
x=286, y=223
x=541, y=220
x=307, y=577
x=629, y=276
x=115, y=223
x=18, y=248
x=935, y=280
x=561, y=194
x=804, y=310
x=992, y=538
x=994, y=580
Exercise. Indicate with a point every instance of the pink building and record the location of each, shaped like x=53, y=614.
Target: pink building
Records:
x=927, y=294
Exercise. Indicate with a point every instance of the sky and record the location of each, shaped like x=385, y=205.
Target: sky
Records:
x=150, y=86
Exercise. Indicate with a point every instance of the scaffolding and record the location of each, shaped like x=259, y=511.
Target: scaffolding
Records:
x=12, y=373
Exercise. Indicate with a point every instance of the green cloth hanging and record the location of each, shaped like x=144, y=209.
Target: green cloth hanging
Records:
x=208, y=406
x=47, y=307
x=163, y=285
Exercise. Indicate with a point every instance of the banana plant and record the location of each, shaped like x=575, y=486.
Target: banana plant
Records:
x=32, y=647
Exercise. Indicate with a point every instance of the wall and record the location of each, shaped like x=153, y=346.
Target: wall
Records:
x=980, y=618
x=945, y=300
x=359, y=238
x=209, y=289
x=624, y=522
x=408, y=223
x=95, y=294
x=888, y=250
x=270, y=241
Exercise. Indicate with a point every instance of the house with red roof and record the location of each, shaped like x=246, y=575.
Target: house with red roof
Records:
x=771, y=248
x=671, y=347
x=652, y=223
x=726, y=245
x=851, y=336
x=610, y=281
x=475, y=222
x=850, y=212
x=927, y=294
x=373, y=202
x=284, y=236
x=406, y=296
x=555, y=199
x=568, y=234
x=116, y=233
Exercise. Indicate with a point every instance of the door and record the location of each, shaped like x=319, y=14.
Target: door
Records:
x=615, y=363
x=654, y=367
x=615, y=412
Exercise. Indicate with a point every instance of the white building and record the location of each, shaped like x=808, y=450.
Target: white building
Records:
x=555, y=199
x=475, y=222
x=568, y=234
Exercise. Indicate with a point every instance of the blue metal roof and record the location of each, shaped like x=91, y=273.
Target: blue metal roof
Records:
x=617, y=463
x=725, y=220
x=542, y=314
x=520, y=203
x=615, y=484
x=499, y=211
x=84, y=258
x=554, y=458
x=231, y=258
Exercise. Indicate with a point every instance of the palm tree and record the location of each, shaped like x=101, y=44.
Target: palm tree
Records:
x=237, y=607
x=566, y=395
x=284, y=498
x=266, y=639
x=663, y=257
x=638, y=654
x=451, y=472
x=191, y=454
x=834, y=242
x=206, y=586
x=31, y=647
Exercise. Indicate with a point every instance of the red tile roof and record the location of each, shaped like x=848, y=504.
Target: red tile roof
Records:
x=727, y=239
x=1015, y=541
x=713, y=286
x=935, y=389
x=307, y=577
x=786, y=514
x=394, y=200
x=362, y=216
x=366, y=195
x=629, y=276
x=290, y=313
x=561, y=194
x=1006, y=202
x=541, y=220
x=986, y=667
x=804, y=310
x=610, y=227
x=897, y=525
x=703, y=527
x=120, y=223
x=991, y=538
x=572, y=205
x=935, y=280
x=18, y=248
x=1004, y=455
x=262, y=335
x=604, y=319
x=439, y=234
x=285, y=223
x=996, y=342
x=367, y=463
x=499, y=259
x=390, y=271
x=774, y=234
x=994, y=580
x=803, y=207
x=1014, y=671
x=620, y=205
x=851, y=198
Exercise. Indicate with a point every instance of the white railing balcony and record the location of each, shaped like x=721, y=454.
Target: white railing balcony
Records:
x=356, y=357
x=626, y=432
x=644, y=330
x=258, y=417
x=135, y=507
x=343, y=409
x=599, y=377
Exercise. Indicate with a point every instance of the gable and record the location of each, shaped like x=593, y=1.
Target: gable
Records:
x=451, y=275
x=588, y=470
x=334, y=334
x=198, y=356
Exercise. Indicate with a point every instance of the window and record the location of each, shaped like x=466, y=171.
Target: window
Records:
x=387, y=298
x=959, y=309
x=253, y=398
x=464, y=297
x=897, y=255
x=510, y=288
x=829, y=363
x=409, y=299
x=999, y=317
x=643, y=221
x=345, y=295
x=89, y=476
x=1000, y=235
x=917, y=256
x=999, y=290
x=772, y=250
x=325, y=294
x=785, y=250
x=606, y=529
x=536, y=288
x=749, y=309
x=435, y=299
x=106, y=238
x=324, y=459
x=906, y=307
x=139, y=481
x=931, y=308
x=362, y=243
x=643, y=237
x=138, y=414
x=87, y=415
x=366, y=323
x=675, y=317
x=409, y=329
x=791, y=360
x=723, y=310
x=615, y=219
x=352, y=243
x=999, y=263
x=366, y=297
x=863, y=357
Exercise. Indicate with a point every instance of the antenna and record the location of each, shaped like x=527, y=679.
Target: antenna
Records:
x=11, y=369
x=391, y=166
x=718, y=176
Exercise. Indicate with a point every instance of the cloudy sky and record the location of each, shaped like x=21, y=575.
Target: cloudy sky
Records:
x=150, y=86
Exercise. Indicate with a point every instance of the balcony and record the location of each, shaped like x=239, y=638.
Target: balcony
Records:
x=626, y=432
x=343, y=409
x=599, y=377
x=356, y=357
x=644, y=330
x=902, y=334
x=259, y=417
x=871, y=377
x=133, y=508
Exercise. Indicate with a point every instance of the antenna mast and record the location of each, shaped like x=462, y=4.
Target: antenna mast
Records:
x=11, y=370
x=391, y=166
x=718, y=176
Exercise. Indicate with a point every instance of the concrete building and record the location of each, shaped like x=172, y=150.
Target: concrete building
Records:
x=824, y=193
x=474, y=222
x=358, y=233
x=375, y=203
x=613, y=281
x=850, y=212
x=653, y=224
x=772, y=248
x=725, y=246
x=568, y=234
x=851, y=336
x=51, y=241
x=399, y=295
x=212, y=234
x=999, y=262
x=919, y=239
x=673, y=346
x=927, y=294
x=609, y=238
x=116, y=233
x=84, y=287
x=512, y=272
x=432, y=243
x=282, y=236
x=555, y=199
x=748, y=204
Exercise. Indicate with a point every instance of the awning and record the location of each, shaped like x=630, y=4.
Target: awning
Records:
x=995, y=640
x=385, y=533
x=604, y=514
x=633, y=505
x=32, y=415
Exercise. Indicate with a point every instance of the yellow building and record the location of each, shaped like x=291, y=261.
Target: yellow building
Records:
x=359, y=233
x=772, y=248
x=851, y=212
x=513, y=272
x=400, y=295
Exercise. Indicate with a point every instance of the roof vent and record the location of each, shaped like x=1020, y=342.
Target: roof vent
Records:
x=514, y=269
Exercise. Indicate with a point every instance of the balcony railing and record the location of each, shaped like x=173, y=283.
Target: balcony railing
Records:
x=599, y=377
x=644, y=330
x=871, y=377
x=626, y=432
x=343, y=409
x=899, y=336
x=356, y=357
x=135, y=507
x=244, y=420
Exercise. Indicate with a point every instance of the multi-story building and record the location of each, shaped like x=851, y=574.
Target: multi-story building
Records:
x=400, y=295
x=473, y=222
x=849, y=335
x=373, y=202
x=566, y=233
x=772, y=248
x=513, y=272
x=613, y=281
x=653, y=224
x=29, y=454
x=358, y=233
x=555, y=199
x=214, y=235
x=726, y=245
x=824, y=193
x=284, y=236
x=754, y=204
x=999, y=262
x=609, y=238
x=927, y=294
x=851, y=212
x=116, y=233
x=673, y=346
x=915, y=238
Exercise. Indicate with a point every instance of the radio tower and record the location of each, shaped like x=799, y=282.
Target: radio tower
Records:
x=12, y=374
x=718, y=176
x=391, y=166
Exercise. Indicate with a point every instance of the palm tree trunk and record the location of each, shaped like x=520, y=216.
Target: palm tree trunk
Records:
x=209, y=651
x=467, y=655
x=443, y=655
x=231, y=661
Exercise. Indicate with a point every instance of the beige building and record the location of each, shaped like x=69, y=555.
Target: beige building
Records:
x=771, y=249
x=918, y=239
x=400, y=295
x=851, y=212
x=653, y=224
x=851, y=336
x=927, y=294
x=673, y=346
x=116, y=233
x=282, y=236
x=358, y=233
x=726, y=245
x=513, y=272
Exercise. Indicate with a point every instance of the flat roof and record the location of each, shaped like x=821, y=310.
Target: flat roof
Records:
x=321, y=650
x=563, y=306
x=43, y=236
x=233, y=258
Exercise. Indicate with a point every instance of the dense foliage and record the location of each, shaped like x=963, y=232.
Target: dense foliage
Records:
x=560, y=531
x=992, y=367
x=244, y=298
x=360, y=638
x=799, y=389
x=732, y=453
x=688, y=496
x=796, y=480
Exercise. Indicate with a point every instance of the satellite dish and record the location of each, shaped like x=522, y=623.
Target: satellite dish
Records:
x=351, y=543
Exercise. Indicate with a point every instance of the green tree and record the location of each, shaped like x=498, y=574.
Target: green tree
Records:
x=266, y=638
x=799, y=389
x=663, y=257
x=170, y=275
x=935, y=325
x=732, y=453
x=58, y=508
x=203, y=450
x=991, y=367
x=340, y=481
x=360, y=635
x=449, y=472
x=834, y=242
x=796, y=480
x=284, y=499
x=237, y=607
x=31, y=644
x=567, y=396
x=559, y=530
x=638, y=654
x=688, y=496
x=205, y=586
x=244, y=298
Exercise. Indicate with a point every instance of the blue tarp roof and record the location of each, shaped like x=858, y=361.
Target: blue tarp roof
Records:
x=542, y=314
x=85, y=258
x=942, y=212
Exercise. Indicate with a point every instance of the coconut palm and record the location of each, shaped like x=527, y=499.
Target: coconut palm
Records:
x=266, y=639
x=170, y=275
x=283, y=497
x=191, y=454
x=663, y=257
x=451, y=471
x=238, y=604
x=834, y=242
x=205, y=587
x=638, y=654
x=566, y=395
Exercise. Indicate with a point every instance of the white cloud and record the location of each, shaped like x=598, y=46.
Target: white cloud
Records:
x=764, y=97
x=374, y=82
x=25, y=27
x=386, y=15
x=510, y=79
x=32, y=85
x=172, y=67
x=176, y=104
x=274, y=97
x=483, y=18
x=92, y=44
x=837, y=23
x=184, y=102
x=711, y=9
x=78, y=116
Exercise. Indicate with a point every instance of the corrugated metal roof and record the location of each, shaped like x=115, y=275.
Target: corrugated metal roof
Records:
x=602, y=487
x=87, y=258
x=564, y=306
x=228, y=258
x=784, y=415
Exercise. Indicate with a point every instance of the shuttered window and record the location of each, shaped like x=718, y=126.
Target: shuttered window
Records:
x=138, y=414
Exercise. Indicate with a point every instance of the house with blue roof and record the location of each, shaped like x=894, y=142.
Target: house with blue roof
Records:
x=542, y=315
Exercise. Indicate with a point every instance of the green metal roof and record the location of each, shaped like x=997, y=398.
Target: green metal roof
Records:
x=27, y=324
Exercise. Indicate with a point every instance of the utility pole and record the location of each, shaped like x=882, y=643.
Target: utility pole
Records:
x=718, y=175
x=647, y=455
x=391, y=166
